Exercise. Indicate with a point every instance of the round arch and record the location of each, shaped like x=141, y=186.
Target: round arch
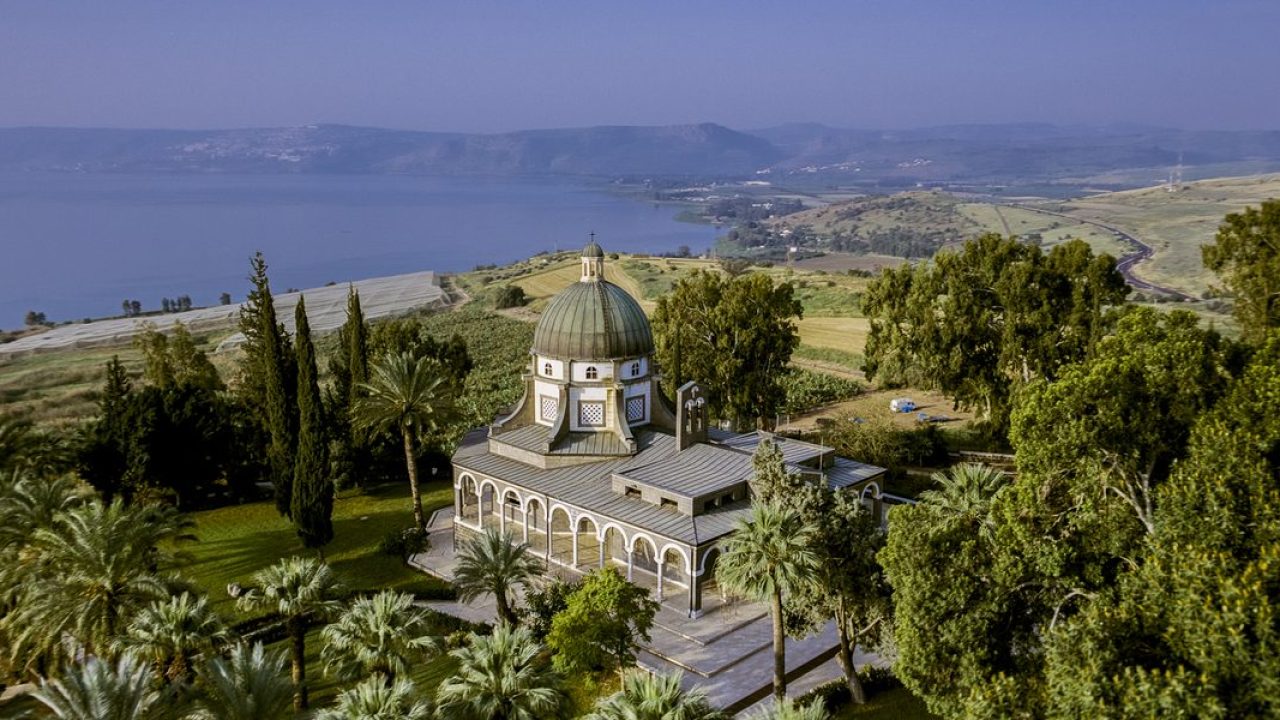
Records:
x=685, y=565
x=644, y=552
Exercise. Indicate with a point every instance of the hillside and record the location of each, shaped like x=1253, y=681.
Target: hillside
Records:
x=1175, y=224
x=1050, y=160
x=606, y=151
x=910, y=224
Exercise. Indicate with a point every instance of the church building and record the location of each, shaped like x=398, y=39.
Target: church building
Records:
x=594, y=466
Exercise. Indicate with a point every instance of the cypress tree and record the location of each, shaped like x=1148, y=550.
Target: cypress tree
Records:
x=349, y=366
x=268, y=380
x=356, y=337
x=312, y=505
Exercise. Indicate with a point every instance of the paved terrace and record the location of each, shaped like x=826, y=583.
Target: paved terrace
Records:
x=326, y=310
x=727, y=652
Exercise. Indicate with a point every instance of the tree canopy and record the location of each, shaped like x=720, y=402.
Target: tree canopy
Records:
x=1246, y=255
x=997, y=314
x=734, y=336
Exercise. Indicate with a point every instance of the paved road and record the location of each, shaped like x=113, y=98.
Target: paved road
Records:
x=1129, y=260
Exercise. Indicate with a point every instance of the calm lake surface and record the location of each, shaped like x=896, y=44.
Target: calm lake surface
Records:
x=75, y=246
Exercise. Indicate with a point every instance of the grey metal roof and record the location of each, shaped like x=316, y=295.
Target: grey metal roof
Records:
x=589, y=487
x=593, y=320
x=697, y=471
x=593, y=250
x=845, y=472
x=793, y=451
x=534, y=439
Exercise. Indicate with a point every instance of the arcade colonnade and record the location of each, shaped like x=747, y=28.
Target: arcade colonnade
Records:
x=579, y=540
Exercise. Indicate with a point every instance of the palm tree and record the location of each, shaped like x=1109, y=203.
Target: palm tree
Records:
x=18, y=442
x=768, y=554
x=249, y=684
x=654, y=697
x=965, y=490
x=493, y=564
x=789, y=710
x=171, y=632
x=29, y=502
x=301, y=590
x=98, y=566
x=502, y=676
x=381, y=634
x=376, y=700
x=408, y=395
x=101, y=690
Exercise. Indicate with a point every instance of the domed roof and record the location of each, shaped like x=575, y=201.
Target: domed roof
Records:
x=593, y=320
x=593, y=250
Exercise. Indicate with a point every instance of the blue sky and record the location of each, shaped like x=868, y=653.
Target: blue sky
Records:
x=494, y=66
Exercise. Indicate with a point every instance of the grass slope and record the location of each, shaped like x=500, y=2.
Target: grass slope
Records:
x=235, y=541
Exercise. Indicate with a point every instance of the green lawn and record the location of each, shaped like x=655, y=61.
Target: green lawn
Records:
x=896, y=704
x=234, y=542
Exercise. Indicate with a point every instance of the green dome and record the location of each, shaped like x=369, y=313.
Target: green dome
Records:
x=594, y=320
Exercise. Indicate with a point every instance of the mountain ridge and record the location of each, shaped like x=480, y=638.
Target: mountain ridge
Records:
x=811, y=152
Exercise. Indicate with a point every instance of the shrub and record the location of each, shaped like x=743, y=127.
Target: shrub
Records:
x=405, y=543
x=509, y=296
x=806, y=390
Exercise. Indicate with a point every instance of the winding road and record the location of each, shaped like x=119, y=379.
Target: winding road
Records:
x=1128, y=261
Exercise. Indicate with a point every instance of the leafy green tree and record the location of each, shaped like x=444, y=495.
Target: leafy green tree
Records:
x=303, y=591
x=978, y=323
x=494, y=564
x=268, y=379
x=102, y=458
x=103, y=690
x=502, y=676
x=373, y=699
x=849, y=584
x=767, y=557
x=170, y=633
x=98, y=567
x=654, y=697
x=380, y=635
x=248, y=684
x=952, y=625
x=542, y=604
x=1246, y=256
x=410, y=396
x=173, y=444
x=312, y=507
x=734, y=336
x=174, y=359
x=1189, y=629
x=603, y=622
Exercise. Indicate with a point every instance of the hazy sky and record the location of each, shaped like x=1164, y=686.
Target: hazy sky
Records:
x=492, y=66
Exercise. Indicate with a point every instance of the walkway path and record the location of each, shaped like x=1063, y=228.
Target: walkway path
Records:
x=727, y=652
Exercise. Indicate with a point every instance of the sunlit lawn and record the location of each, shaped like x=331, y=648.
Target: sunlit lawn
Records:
x=234, y=542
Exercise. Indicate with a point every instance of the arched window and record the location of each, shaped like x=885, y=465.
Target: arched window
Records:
x=592, y=373
x=635, y=369
x=546, y=369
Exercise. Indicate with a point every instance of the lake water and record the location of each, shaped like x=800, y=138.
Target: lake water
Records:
x=75, y=246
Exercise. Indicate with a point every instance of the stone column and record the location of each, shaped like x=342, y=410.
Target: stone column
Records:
x=661, y=566
x=575, y=545
x=631, y=565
